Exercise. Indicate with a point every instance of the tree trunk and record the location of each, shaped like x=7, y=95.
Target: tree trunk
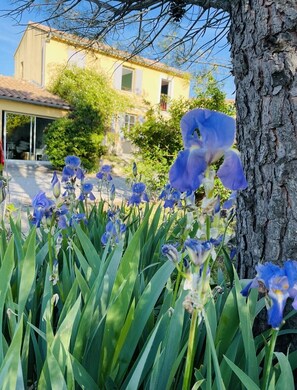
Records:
x=263, y=38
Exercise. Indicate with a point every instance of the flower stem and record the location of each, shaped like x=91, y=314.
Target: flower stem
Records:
x=86, y=208
x=190, y=352
x=50, y=251
x=268, y=359
x=50, y=246
x=176, y=287
x=208, y=225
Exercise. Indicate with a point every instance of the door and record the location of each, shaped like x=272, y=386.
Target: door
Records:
x=24, y=136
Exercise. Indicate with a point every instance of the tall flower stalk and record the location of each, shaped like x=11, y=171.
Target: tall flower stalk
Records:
x=207, y=136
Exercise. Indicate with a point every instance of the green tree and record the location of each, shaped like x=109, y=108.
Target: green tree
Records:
x=93, y=102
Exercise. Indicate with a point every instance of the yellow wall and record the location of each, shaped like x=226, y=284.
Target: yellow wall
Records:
x=36, y=48
x=29, y=53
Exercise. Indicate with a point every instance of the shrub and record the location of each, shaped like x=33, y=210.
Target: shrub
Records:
x=81, y=133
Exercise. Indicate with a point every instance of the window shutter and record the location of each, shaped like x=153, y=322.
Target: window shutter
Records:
x=170, y=89
x=76, y=58
x=117, y=76
x=138, y=81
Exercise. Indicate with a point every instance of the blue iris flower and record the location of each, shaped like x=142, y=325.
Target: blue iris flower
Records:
x=279, y=284
x=138, y=194
x=72, y=161
x=77, y=218
x=43, y=207
x=170, y=252
x=114, y=231
x=207, y=136
x=61, y=215
x=171, y=197
x=86, y=192
x=197, y=250
x=105, y=173
x=72, y=169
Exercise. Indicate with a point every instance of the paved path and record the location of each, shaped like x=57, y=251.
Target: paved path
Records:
x=28, y=178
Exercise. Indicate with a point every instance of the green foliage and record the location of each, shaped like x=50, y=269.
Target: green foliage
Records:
x=81, y=133
x=154, y=172
x=115, y=317
x=16, y=121
x=209, y=95
x=159, y=137
x=113, y=321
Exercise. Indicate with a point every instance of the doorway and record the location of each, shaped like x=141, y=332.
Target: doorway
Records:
x=24, y=136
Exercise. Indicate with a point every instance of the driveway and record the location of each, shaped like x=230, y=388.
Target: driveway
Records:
x=27, y=178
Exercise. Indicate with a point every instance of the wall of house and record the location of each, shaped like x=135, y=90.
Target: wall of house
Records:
x=28, y=58
x=38, y=57
x=146, y=80
x=43, y=56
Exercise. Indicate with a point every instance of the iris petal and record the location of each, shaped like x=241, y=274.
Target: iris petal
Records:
x=185, y=173
x=275, y=313
x=231, y=171
x=246, y=290
x=189, y=123
x=267, y=272
x=290, y=267
x=217, y=132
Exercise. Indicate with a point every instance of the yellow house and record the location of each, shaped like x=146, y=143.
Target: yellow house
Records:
x=43, y=50
x=26, y=110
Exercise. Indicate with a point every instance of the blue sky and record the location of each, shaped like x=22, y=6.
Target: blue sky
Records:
x=9, y=39
x=11, y=33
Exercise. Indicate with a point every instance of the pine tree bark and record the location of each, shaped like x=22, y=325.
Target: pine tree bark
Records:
x=263, y=37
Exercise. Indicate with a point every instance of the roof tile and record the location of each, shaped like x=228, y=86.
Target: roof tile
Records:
x=15, y=89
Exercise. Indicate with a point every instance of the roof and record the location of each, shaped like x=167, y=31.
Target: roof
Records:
x=24, y=91
x=108, y=50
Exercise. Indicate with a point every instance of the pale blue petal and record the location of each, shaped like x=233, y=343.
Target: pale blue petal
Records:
x=72, y=161
x=92, y=196
x=290, y=267
x=246, y=290
x=267, y=272
x=145, y=197
x=187, y=171
x=275, y=313
x=67, y=173
x=217, y=132
x=231, y=171
x=189, y=123
x=62, y=222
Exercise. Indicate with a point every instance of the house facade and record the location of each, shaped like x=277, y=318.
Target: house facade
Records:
x=42, y=51
x=27, y=107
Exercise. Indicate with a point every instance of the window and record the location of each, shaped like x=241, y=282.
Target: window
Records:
x=126, y=121
x=164, y=94
x=76, y=58
x=127, y=79
x=130, y=121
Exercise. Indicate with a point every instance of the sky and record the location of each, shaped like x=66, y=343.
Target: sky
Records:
x=12, y=31
x=10, y=37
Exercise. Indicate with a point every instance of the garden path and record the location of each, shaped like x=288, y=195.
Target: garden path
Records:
x=27, y=178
